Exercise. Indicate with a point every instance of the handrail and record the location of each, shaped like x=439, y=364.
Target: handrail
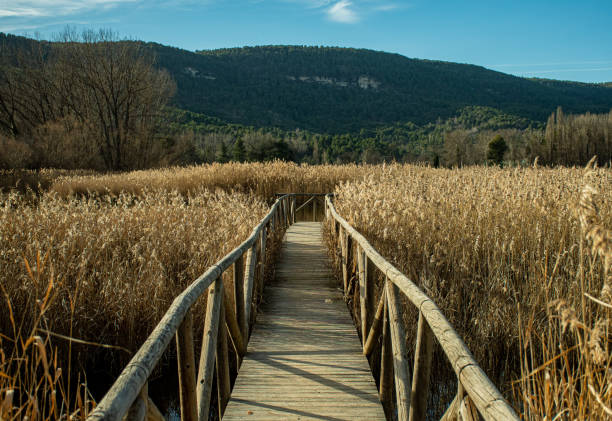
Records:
x=124, y=395
x=128, y=396
x=471, y=378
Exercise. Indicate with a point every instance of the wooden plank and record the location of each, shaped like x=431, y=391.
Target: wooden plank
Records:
x=400, y=353
x=209, y=348
x=422, y=369
x=304, y=359
x=485, y=396
x=186, y=370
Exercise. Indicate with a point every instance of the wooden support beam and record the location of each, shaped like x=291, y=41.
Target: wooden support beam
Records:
x=186, y=369
x=422, y=369
x=452, y=412
x=304, y=204
x=400, y=354
x=249, y=281
x=314, y=209
x=234, y=328
x=376, y=327
x=239, y=296
x=386, y=363
x=138, y=410
x=223, y=371
x=209, y=348
x=262, y=257
x=153, y=412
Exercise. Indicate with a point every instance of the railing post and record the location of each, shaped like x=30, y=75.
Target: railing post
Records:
x=422, y=368
x=239, y=291
x=361, y=265
x=400, y=354
x=209, y=347
x=386, y=362
x=249, y=280
x=223, y=372
x=314, y=209
x=186, y=369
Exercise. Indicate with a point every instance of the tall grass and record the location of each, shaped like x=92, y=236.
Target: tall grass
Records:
x=117, y=263
x=494, y=248
x=262, y=179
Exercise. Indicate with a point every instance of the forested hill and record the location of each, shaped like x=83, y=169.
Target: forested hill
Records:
x=343, y=90
x=340, y=90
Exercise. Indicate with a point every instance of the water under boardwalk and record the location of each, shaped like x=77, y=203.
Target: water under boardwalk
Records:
x=304, y=358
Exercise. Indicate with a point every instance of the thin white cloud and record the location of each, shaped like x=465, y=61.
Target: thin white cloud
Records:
x=50, y=8
x=343, y=12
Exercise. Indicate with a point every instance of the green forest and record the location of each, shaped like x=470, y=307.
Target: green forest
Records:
x=167, y=106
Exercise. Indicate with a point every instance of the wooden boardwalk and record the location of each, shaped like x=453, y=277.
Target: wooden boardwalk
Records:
x=304, y=358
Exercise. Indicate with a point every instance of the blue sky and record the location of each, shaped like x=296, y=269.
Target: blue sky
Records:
x=558, y=39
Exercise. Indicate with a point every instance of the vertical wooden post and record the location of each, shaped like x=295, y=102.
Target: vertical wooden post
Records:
x=314, y=209
x=223, y=373
x=365, y=292
x=400, y=354
x=249, y=280
x=186, y=369
x=209, y=348
x=386, y=363
x=422, y=368
x=138, y=410
x=293, y=209
x=239, y=291
x=262, y=257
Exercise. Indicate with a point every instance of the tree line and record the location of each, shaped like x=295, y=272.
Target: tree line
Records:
x=87, y=100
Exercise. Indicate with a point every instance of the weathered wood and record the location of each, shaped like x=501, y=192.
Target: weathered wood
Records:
x=232, y=324
x=304, y=204
x=452, y=412
x=348, y=254
x=487, y=399
x=422, y=369
x=223, y=371
x=304, y=358
x=153, y=412
x=209, y=348
x=131, y=380
x=262, y=258
x=249, y=281
x=386, y=363
x=314, y=210
x=376, y=327
x=400, y=353
x=467, y=412
x=363, y=291
x=186, y=370
x=138, y=410
x=239, y=295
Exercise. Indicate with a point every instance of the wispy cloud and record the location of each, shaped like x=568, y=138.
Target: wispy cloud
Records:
x=52, y=8
x=343, y=12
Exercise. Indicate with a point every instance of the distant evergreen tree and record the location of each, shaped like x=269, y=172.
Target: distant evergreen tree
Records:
x=223, y=156
x=239, y=151
x=497, y=150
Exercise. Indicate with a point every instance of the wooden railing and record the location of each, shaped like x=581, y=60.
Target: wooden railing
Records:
x=229, y=321
x=225, y=319
x=475, y=392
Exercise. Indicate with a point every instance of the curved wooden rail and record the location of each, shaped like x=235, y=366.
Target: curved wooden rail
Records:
x=474, y=390
x=128, y=395
x=228, y=322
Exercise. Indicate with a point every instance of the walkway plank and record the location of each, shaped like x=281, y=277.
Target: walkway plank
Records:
x=304, y=359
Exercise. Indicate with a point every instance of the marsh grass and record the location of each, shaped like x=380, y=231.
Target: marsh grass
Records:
x=502, y=252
